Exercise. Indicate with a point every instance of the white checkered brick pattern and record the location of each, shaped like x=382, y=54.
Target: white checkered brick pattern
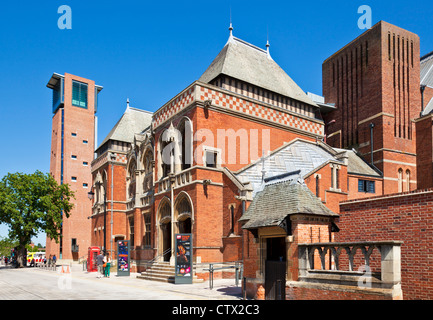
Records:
x=236, y=104
x=256, y=110
x=173, y=107
x=120, y=157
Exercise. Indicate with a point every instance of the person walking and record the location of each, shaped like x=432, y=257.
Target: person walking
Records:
x=100, y=264
x=107, y=262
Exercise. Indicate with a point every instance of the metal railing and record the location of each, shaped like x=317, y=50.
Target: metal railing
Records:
x=238, y=272
x=150, y=262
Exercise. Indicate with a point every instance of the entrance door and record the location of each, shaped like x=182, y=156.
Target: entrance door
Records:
x=166, y=240
x=275, y=268
x=185, y=226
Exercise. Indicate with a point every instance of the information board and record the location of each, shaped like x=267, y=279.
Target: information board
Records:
x=183, y=265
x=123, y=258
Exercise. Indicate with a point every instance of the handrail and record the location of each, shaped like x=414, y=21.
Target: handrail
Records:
x=238, y=272
x=157, y=257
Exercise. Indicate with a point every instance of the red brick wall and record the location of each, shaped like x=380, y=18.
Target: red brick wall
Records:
x=305, y=293
x=384, y=91
x=408, y=218
x=424, y=146
x=119, y=219
x=330, y=197
x=82, y=122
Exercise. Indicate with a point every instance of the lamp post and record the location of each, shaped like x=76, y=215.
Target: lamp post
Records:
x=91, y=195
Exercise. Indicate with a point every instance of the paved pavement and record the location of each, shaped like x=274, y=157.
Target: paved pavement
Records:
x=40, y=284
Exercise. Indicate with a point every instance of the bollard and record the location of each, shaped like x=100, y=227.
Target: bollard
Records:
x=260, y=293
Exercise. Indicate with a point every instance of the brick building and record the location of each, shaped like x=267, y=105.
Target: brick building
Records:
x=196, y=163
x=373, y=82
x=210, y=159
x=75, y=101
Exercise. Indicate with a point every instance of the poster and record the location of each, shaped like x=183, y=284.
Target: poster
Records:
x=184, y=267
x=123, y=259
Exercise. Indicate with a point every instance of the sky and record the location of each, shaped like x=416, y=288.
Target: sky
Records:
x=148, y=51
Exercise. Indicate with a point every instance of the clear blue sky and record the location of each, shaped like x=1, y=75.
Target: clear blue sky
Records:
x=149, y=51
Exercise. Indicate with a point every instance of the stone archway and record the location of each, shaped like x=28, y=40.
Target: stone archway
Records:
x=183, y=214
x=164, y=236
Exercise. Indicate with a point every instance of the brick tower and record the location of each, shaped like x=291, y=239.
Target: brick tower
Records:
x=374, y=83
x=72, y=151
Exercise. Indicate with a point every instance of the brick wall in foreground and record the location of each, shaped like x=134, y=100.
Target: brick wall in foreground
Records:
x=406, y=217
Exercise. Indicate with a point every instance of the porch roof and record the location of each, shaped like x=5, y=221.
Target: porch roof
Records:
x=283, y=196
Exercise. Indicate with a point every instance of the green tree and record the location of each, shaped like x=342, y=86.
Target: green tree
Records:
x=31, y=203
x=6, y=245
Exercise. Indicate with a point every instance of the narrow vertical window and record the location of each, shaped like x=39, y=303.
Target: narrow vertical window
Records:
x=389, y=46
x=232, y=219
x=400, y=180
x=407, y=180
x=317, y=186
x=411, y=53
x=131, y=231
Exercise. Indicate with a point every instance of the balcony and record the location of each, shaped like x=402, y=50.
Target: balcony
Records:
x=363, y=265
x=180, y=179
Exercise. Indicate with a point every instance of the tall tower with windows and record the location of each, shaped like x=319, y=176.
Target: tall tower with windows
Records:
x=73, y=141
x=373, y=85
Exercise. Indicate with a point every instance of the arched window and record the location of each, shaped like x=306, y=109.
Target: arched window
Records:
x=131, y=179
x=407, y=180
x=185, y=145
x=148, y=170
x=400, y=180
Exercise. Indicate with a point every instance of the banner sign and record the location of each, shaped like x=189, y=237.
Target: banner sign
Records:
x=183, y=265
x=123, y=258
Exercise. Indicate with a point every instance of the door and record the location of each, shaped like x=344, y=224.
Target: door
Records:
x=275, y=269
x=166, y=240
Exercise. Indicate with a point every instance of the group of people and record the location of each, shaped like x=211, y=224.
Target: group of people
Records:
x=104, y=264
x=5, y=260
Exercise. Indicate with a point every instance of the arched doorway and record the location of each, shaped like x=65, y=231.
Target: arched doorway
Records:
x=164, y=214
x=166, y=240
x=183, y=214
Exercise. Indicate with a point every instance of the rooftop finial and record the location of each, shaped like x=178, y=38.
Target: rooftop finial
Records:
x=267, y=44
x=231, y=26
x=127, y=103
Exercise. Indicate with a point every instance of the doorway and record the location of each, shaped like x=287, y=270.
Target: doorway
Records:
x=275, y=268
x=185, y=226
x=166, y=240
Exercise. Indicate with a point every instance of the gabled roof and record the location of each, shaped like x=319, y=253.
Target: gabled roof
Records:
x=132, y=121
x=427, y=70
x=357, y=165
x=288, y=196
x=244, y=61
x=305, y=156
x=299, y=154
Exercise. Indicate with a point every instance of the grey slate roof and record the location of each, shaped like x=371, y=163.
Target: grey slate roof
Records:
x=244, y=61
x=427, y=70
x=297, y=155
x=278, y=200
x=428, y=108
x=132, y=121
x=357, y=165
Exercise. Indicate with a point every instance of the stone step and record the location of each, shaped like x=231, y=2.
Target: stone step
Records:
x=162, y=271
